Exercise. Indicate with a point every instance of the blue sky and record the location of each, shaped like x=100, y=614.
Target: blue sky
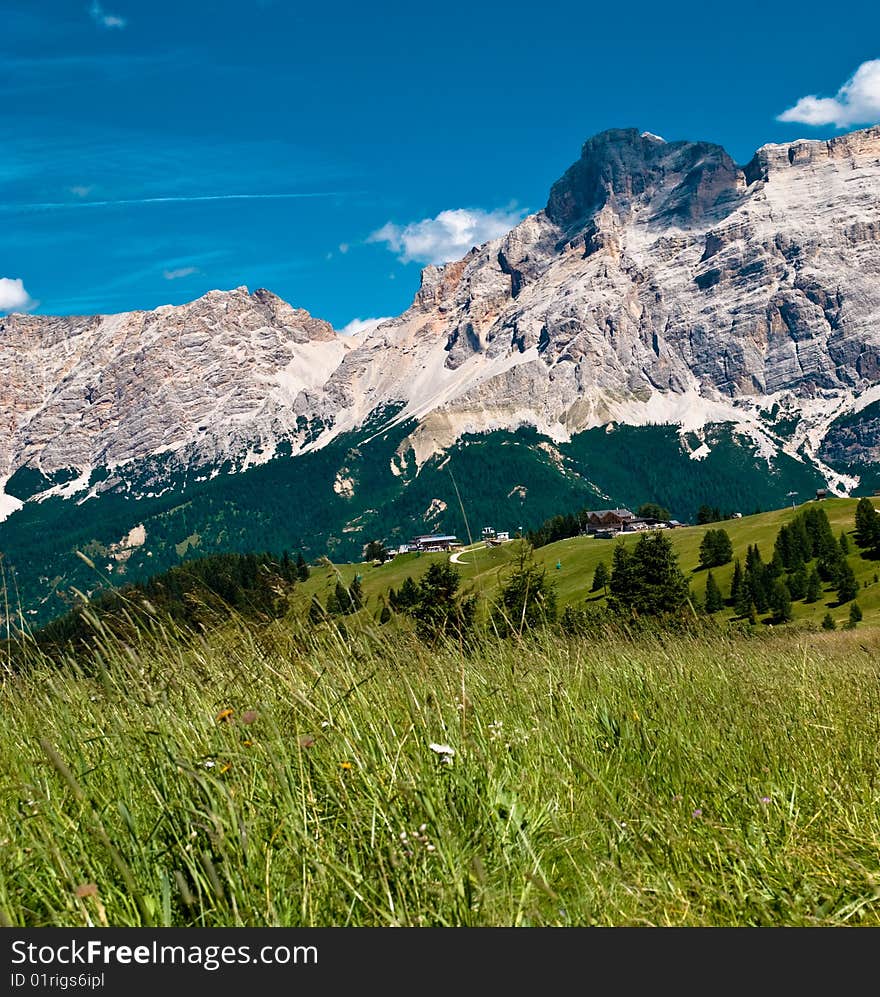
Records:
x=155, y=150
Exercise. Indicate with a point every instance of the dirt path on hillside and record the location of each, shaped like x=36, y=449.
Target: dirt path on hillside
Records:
x=456, y=557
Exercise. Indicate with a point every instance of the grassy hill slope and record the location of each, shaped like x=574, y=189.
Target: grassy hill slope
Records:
x=483, y=569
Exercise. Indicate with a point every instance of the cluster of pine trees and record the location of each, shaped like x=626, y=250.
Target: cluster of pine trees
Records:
x=643, y=584
x=715, y=549
x=195, y=594
x=434, y=603
x=571, y=524
x=342, y=601
x=806, y=554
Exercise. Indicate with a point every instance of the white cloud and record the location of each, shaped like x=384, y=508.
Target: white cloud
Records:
x=80, y=190
x=357, y=325
x=857, y=102
x=179, y=272
x=13, y=296
x=344, y=248
x=448, y=236
x=105, y=20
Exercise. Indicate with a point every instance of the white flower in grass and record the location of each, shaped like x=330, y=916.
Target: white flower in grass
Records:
x=445, y=752
x=442, y=749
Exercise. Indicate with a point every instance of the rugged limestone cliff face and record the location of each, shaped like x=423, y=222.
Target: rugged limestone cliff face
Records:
x=222, y=372
x=661, y=283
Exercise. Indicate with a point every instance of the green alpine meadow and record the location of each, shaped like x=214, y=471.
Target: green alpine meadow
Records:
x=541, y=759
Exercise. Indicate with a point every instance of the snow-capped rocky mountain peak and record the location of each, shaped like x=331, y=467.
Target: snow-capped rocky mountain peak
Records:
x=662, y=282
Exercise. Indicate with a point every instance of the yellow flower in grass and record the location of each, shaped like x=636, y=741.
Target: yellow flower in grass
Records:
x=346, y=766
x=225, y=716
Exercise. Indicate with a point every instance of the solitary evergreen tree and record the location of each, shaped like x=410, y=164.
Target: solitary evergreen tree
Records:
x=407, y=595
x=736, y=583
x=800, y=539
x=847, y=586
x=337, y=601
x=797, y=583
x=784, y=545
x=652, y=582
x=755, y=580
x=708, y=514
x=715, y=548
x=828, y=622
x=780, y=602
x=775, y=568
x=302, y=569
x=867, y=524
x=714, y=600
x=814, y=587
x=600, y=578
x=439, y=611
x=826, y=549
x=855, y=614
x=622, y=581
x=651, y=510
x=356, y=594
x=288, y=571
x=527, y=598
x=375, y=551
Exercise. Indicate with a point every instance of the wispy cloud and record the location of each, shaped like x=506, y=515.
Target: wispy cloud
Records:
x=105, y=20
x=80, y=190
x=176, y=199
x=448, y=236
x=13, y=296
x=357, y=325
x=857, y=102
x=179, y=272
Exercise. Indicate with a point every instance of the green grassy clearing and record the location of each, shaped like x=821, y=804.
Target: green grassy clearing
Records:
x=711, y=779
x=482, y=569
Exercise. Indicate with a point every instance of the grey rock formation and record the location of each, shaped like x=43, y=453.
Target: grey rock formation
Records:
x=661, y=283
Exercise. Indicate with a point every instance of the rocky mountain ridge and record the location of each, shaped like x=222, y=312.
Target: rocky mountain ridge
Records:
x=662, y=283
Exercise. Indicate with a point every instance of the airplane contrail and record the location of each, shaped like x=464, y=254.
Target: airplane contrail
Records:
x=180, y=199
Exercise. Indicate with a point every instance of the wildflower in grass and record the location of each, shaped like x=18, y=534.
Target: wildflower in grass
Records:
x=225, y=767
x=249, y=716
x=445, y=752
x=765, y=799
x=209, y=764
x=345, y=766
x=247, y=744
x=225, y=716
x=698, y=812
